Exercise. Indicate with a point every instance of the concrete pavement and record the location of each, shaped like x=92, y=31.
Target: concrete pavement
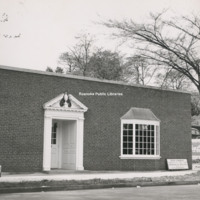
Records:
x=89, y=175
x=78, y=180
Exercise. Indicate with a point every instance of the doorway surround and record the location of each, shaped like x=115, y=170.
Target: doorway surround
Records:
x=54, y=111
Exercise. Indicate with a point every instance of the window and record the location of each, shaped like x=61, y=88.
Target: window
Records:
x=128, y=139
x=144, y=139
x=140, y=138
x=53, y=133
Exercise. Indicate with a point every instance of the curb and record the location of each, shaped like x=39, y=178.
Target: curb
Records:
x=97, y=186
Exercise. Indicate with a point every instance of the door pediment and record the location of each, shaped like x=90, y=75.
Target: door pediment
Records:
x=65, y=102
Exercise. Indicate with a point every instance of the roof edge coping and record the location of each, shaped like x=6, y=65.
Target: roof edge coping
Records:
x=87, y=78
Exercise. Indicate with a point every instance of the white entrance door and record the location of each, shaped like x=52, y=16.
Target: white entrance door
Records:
x=54, y=146
x=69, y=145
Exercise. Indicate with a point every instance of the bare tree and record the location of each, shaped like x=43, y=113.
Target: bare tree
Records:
x=78, y=57
x=68, y=61
x=138, y=70
x=195, y=104
x=169, y=78
x=173, y=43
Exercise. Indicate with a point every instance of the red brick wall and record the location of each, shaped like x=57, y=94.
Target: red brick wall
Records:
x=23, y=94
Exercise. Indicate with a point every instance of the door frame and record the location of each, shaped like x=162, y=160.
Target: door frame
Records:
x=55, y=113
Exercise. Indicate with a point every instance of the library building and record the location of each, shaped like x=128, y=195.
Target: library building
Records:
x=53, y=121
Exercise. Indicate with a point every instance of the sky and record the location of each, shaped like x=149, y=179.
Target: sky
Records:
x=48, y=28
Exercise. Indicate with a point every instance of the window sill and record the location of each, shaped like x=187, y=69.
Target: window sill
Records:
x=141, y=157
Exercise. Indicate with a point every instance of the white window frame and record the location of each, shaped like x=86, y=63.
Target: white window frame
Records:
x=156, y=140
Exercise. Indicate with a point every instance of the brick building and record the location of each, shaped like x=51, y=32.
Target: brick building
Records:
x=52, y=121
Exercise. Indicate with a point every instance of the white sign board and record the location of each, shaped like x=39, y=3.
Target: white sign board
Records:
x=177, y=164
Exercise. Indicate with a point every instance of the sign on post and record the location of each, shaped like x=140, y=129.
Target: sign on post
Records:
x=177, y=164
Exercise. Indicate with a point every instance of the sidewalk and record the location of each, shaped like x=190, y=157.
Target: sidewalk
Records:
x=75, y=180
x=89, y=175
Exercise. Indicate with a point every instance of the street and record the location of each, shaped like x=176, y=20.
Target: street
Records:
x=142, y=193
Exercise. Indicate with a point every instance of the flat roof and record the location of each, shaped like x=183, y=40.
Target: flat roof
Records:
x=86, y=78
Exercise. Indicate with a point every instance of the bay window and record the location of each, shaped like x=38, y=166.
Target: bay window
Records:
x=140, y=138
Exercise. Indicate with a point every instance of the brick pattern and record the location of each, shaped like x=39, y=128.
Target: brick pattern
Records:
x=22, y=96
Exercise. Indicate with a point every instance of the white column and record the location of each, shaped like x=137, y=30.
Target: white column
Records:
x=47, y=144
x=60, y=136
x=79, y=144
